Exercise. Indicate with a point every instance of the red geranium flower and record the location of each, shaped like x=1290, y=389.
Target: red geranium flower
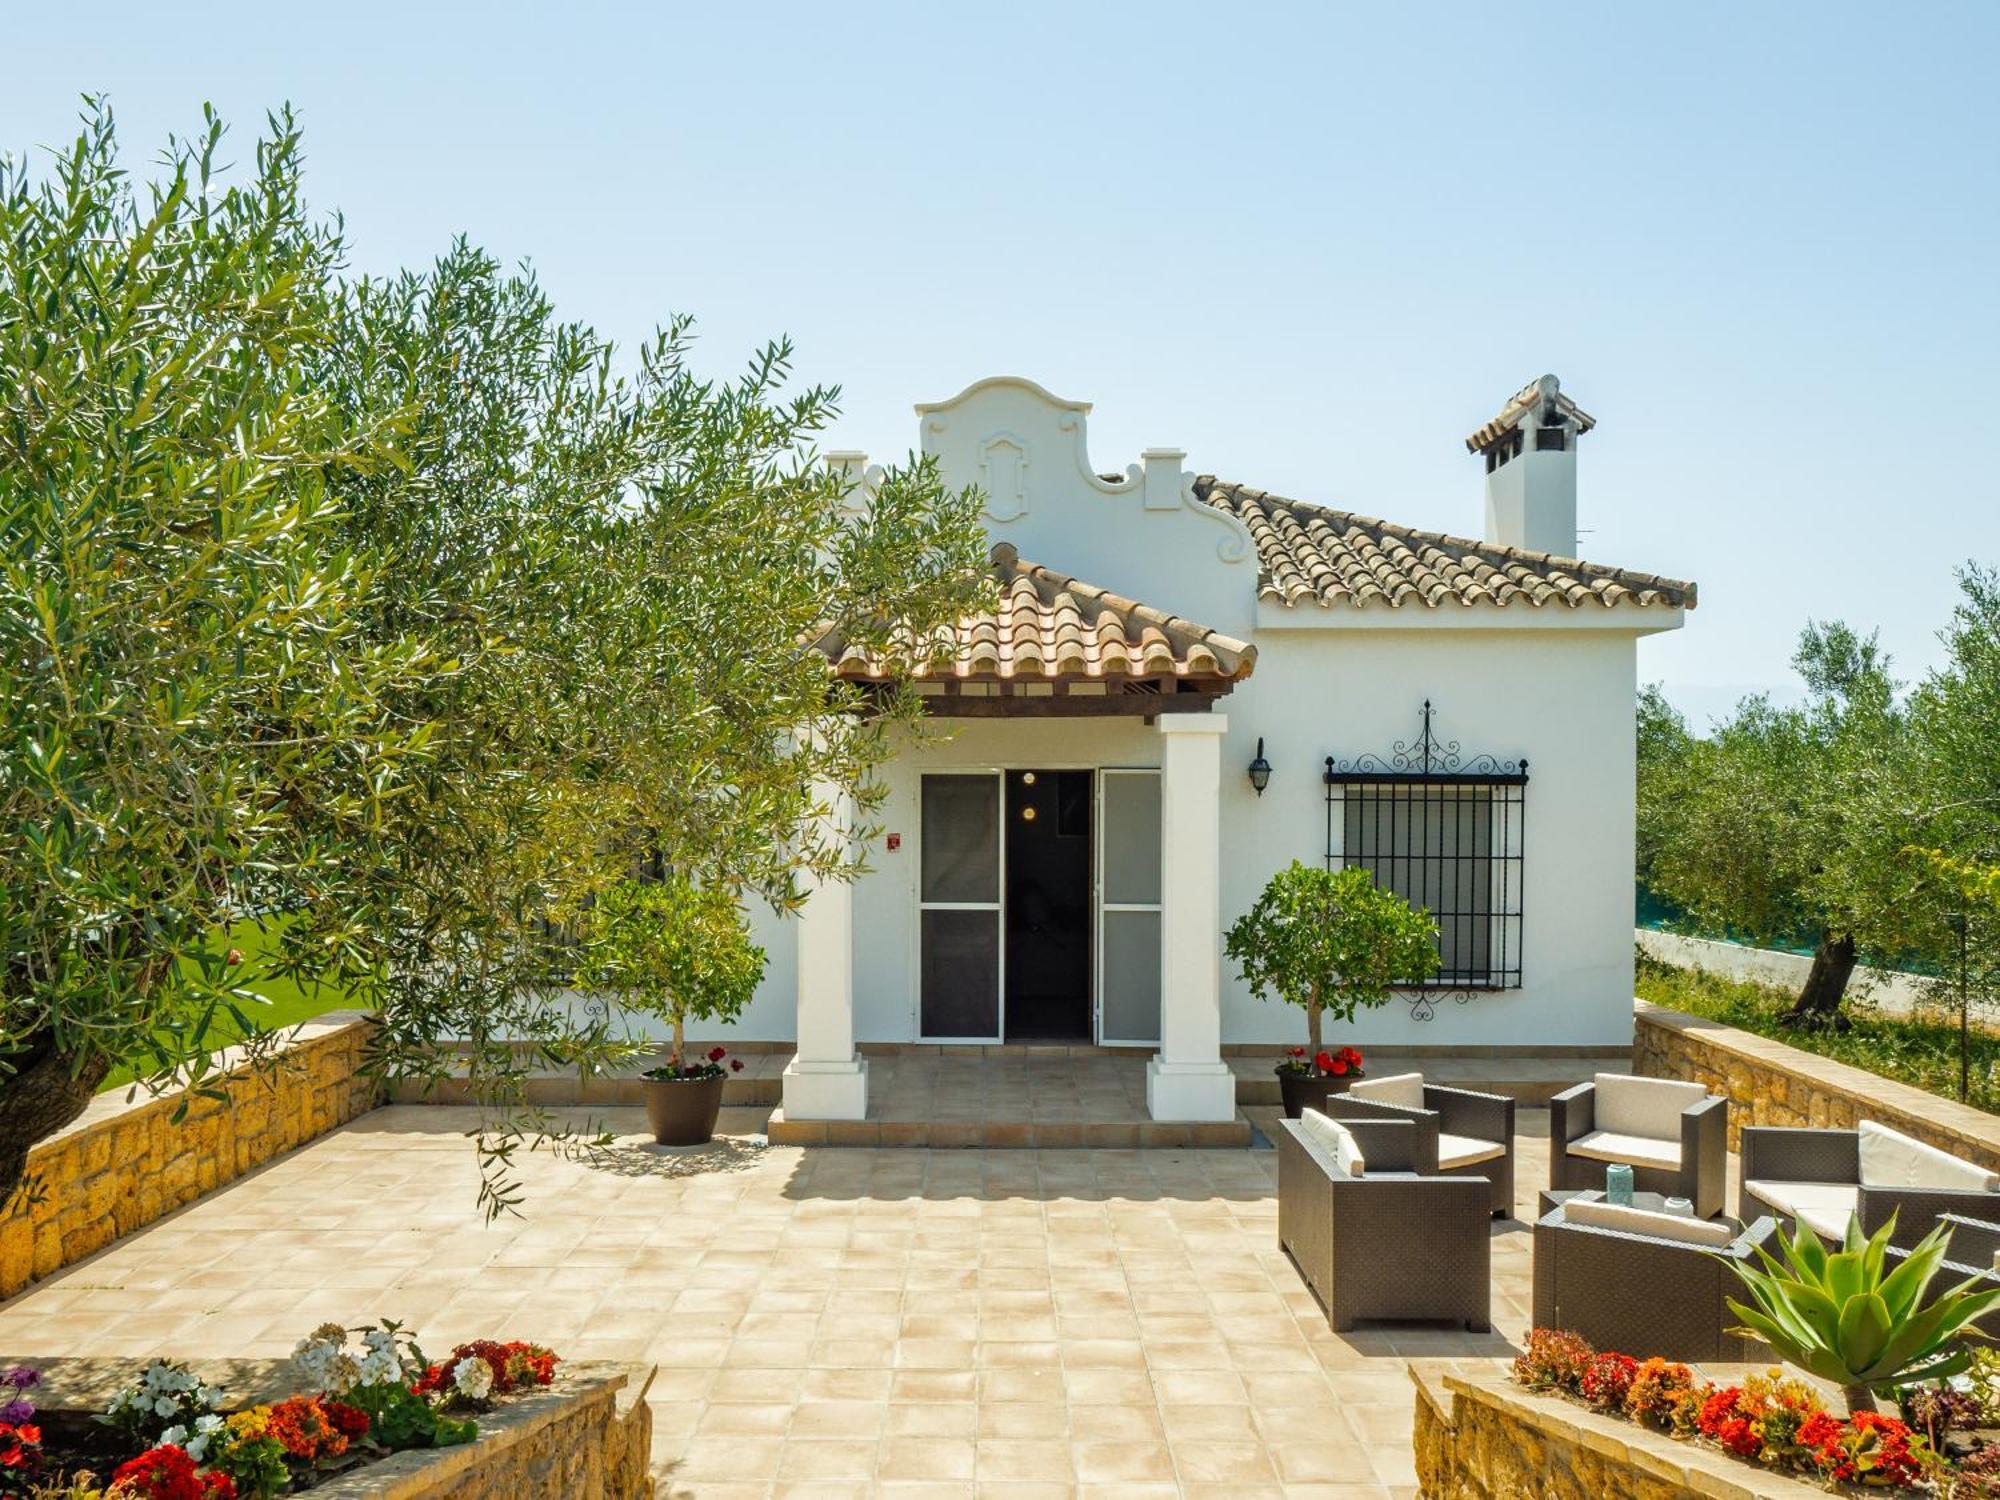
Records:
x=736, y=1065
x=349, y=1421
x=167, y=1473
x=1323, y=1061
x=718, y=1054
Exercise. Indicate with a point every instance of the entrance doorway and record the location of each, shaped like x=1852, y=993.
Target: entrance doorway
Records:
x=1038, y=906
x=1049, y=965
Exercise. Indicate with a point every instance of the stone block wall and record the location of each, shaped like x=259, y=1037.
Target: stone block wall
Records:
x=126, y=1162
x=1769, y=1083
x=1484, y=1438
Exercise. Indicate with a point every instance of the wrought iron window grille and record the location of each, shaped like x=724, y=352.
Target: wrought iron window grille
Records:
x=1446, y=831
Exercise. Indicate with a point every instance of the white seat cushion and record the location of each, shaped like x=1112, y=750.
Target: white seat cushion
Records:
x=1648, y=1107
x=1824, y=1207
x=1680, y=1228
x=1336, y=1140
x=1633, y=1150
x=1403, y=1090
x=1894, y=1160
x=1456, y=1151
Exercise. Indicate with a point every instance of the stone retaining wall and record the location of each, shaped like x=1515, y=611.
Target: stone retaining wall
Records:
x=1769, y=1083
x=586, y=1437
x=1484, y=1438
x=125, y=1162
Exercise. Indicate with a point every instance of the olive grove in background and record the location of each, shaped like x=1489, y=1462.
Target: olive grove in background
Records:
x=1845, y=823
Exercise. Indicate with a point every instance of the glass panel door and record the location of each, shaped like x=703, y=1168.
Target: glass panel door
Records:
x=1128, y=979
x=958, y=908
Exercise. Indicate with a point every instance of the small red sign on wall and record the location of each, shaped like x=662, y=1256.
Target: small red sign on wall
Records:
x=895, y=842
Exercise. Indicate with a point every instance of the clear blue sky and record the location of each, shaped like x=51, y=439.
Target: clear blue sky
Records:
x=1312, y=245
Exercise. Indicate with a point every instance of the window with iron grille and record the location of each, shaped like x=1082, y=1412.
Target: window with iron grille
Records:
x=1446, y=832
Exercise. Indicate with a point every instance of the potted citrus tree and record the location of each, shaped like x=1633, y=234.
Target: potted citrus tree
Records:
x=1329, y=942
x=681, y=951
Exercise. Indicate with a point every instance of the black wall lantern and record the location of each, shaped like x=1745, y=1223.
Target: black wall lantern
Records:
x=1260, y=769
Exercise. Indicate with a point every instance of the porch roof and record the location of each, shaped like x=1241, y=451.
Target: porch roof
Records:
x=1049, y=634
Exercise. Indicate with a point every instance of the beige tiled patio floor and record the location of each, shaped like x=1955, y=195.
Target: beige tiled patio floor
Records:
x=825, y=1321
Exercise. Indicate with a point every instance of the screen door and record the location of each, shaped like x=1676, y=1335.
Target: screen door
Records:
x=958, y=908
x=1128, y=945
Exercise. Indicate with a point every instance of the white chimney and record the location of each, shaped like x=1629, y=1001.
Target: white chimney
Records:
x=1530, y=454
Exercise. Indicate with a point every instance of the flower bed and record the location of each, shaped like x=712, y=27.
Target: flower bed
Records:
x=351, y=1399
x=1937, y=1445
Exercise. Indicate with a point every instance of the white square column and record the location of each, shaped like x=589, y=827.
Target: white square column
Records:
x=827, y=1079
x=1187, y=1079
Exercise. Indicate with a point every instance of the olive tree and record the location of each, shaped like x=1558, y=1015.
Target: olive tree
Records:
x=192, y=710
x=1790, y=824
x=1331, y=942
x=672, y=948
x=404, y=611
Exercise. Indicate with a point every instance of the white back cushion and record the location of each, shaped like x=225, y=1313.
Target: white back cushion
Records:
x=1336, y=1140
x=1687, y=1231
x=1404, y=1090
x=1891, y=1159
x=1649, y=1107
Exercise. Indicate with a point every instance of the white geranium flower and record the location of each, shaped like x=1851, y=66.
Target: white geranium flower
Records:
x=472, y=1378
x=205, y=1429
x=164, y=1407
x=176, y=1434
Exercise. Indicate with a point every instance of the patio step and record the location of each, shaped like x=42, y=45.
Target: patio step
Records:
x=997, y=1135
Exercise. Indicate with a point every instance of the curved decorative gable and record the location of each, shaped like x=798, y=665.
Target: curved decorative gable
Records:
x=1142, y=533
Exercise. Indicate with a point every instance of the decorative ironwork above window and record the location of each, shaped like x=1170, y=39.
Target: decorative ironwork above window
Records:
x=1445, y=831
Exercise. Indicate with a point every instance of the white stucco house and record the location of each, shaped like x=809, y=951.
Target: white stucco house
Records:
x=1455, y=714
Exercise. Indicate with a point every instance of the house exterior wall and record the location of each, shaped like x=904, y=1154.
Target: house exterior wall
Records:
x=1550, y=685
x=1562, y=700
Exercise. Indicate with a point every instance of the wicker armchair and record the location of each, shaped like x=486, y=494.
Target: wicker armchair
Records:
x=1396, y=1243
x=1472, y=1134
x=1815, y=1176
x=1640, y=1294
x=1585, y=1136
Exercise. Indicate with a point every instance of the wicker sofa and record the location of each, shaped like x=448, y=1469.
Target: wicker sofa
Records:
x=1820, y=1177
x=1673, y=1135
x=1472, y=1133
x=1644, y=1283
x=1374, y=1231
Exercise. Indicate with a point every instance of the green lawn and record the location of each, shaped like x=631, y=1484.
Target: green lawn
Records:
x=1923, y=1052
x=288, y=1003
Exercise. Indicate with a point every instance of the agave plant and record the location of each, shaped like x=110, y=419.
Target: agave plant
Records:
x=1850, y=1317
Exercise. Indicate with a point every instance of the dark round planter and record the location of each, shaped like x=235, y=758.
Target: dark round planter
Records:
x=1311, y=1090
x=682, y=1111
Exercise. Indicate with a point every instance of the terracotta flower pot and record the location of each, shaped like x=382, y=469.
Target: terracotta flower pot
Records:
x=682, y=1111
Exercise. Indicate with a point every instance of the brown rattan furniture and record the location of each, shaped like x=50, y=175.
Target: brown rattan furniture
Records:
x=1794, y=1173
x=1397, y=1243
x=1694, y=1167
x=1472, y=1133
x=1639, y=1294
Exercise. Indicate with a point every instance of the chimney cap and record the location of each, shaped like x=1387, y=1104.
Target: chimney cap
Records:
x=1541, y=398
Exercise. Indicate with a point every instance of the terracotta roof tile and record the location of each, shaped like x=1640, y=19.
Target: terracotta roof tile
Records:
x=1049, y=626
x=1310, y=554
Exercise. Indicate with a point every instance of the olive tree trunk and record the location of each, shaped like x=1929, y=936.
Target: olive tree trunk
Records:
x=1818, y=1005
x=48, y=1089
x=1313, y=1012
